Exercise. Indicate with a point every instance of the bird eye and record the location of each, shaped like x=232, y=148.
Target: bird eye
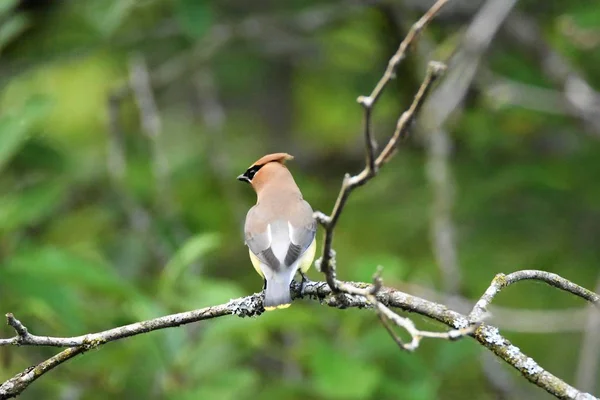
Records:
x=252, y=171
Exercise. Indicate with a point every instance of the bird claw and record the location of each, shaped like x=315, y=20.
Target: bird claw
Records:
x=303, y=283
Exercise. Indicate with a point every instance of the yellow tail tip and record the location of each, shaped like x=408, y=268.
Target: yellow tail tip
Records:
x=281, y=306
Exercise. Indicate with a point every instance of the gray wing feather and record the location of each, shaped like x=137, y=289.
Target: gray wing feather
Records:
x=293, y=254
x=260, y=245
x=301, y=237
x=283, y=239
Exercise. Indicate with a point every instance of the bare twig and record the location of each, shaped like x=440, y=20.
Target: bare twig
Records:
x=25, y=338
x=385, y=315
x=19, y=328
x=349, y=183
x=326, y=263
x=487, y=335
x=528, y=367
x=373, y=163
x=523, y=320
x=246, y=306
x=18, y=383
x=416, y=335
x=501, y=281
x=348, y=294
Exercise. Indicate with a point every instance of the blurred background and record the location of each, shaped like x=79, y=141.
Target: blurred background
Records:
x=123, y=124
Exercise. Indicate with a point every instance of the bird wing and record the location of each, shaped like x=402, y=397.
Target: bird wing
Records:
x=302, y=232
x=280, y=242
x=258, y=238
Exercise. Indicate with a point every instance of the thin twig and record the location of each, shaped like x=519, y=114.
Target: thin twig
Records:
x=390, y=331
x=18, y=383
x=522, y=320
x=385, y=315
x=372, y=164
x=502, y=281
x=416, y=335
x=400, y=55
x=349, y=183
x=17, y=326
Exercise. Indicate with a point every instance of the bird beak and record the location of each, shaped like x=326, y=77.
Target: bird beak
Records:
x=243, y=178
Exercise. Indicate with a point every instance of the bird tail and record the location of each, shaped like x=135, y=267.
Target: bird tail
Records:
x=277, y=292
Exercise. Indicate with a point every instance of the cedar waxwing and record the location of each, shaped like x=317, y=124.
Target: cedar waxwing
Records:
x=280, y=230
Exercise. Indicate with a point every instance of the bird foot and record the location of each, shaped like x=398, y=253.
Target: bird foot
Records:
x=304, y=282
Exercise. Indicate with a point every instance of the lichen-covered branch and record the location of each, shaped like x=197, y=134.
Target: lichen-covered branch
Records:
x=487, y=335
x=18, y=383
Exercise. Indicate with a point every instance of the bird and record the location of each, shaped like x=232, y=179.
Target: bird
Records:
x=279, y=230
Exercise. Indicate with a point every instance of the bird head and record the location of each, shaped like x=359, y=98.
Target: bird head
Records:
x=275, y=158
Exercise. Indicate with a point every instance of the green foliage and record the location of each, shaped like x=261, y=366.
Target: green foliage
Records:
x=16, y=124
x=106, y=16
x=193, y=249
x=11, y=29
x=194, y=16
x=29, y=206
x=330, y=366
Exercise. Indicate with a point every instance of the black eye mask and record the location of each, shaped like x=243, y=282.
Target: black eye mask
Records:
x=249, y=174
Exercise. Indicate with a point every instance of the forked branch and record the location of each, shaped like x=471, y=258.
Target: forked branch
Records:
x=373, y=163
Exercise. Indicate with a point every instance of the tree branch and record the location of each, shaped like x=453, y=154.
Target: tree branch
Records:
x=501, y=281
x=372, y=164
x=487, y=335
